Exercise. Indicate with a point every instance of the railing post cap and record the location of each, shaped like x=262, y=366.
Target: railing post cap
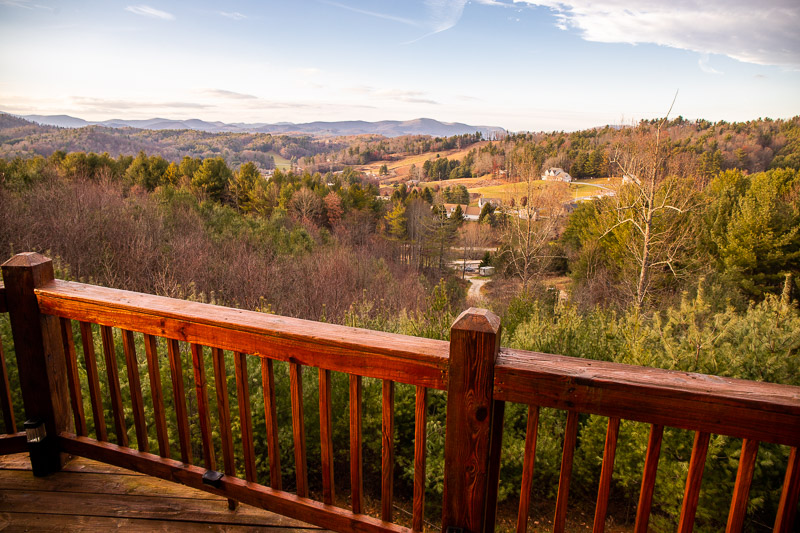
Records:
x=477, y=319
x=26, y=259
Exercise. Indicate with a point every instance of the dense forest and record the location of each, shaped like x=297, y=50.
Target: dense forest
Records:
x=692, y=265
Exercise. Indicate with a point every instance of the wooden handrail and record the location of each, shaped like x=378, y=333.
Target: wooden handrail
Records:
x=727, y=406
x=401, y=358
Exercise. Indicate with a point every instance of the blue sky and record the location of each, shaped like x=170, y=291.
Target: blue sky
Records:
x=520, y=64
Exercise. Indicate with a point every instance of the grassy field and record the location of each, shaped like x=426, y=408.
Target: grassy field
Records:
x=280, y=162
x=398, y=170
x=577, y=189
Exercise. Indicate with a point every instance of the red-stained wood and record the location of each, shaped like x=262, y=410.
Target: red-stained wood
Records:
x=787, y=508
x=567, y=454
x=604, y=487
x=93, y=379
x=356, y=461
x=203, y=409
x=691, y=494
x=284, y=503
x=76, y=401
x=741, y=491
x=648, y=479
x=420, y=433
x=179, y=397
x=112, y=373
x=13, y=443
x=223, y=408
x=387, y=451
x=375, y=354
x=493, y=474
x=154, y=373
x=5, y=396
x=135, y=386
x=298, y=428
x=271, y=422
x=326, y=435
x=712, y=404
x=528, y=463
x=39, y=350
x=474, y=344
x=245, y=418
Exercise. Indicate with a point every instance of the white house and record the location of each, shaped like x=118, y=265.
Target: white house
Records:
x=470, y=213
x=483, y=201
x=556, y=174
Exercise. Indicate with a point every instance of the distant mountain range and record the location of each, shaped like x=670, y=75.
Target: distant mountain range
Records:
x=388, y=128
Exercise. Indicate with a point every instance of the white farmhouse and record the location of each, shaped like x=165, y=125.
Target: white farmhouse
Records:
x=556, y=174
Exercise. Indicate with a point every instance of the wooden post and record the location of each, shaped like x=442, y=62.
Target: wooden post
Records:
x=40, y=351
x=474, y=345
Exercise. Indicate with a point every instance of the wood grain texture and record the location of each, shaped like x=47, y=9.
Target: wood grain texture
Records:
x=787, y=508
x=5, y=396
x=13, y=443
x=280, y=502
x=741, y=490
x=298, y=428
x=203, y=409
x=648, y=479
x=38, y=347
x=387, y=450
x=691, y=494
x=356, y=460
x=93, y=379
x=245, y=418
x=420, y=433
x=135, y=386
x=157, y=394
x=73, y=380
x=567, y=454
x=112, y=374
x=474, y=344
x=528, y=462
x=713, y=404
x=179, y=398
x=493, y=474
x=606, y=473
x=271, y=421
x=224, y=410
x=343, y=349
x=326, y=435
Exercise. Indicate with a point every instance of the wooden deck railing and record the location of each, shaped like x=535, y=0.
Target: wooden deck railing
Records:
x=477, y=374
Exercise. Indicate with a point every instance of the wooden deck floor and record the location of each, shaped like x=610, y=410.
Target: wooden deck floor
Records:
x=91, y=496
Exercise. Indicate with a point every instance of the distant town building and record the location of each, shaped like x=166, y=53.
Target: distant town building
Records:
x=556, y=174
x=470, y=212
x=494, y=201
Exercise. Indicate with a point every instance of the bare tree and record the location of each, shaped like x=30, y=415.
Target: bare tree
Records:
x=306, y=205
x=472, y=236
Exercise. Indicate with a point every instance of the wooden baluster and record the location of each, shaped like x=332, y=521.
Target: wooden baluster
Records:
x=604, y=488
x=648, y=478
x=474, y=345
x=326, y=435
x=243, y=393
x=179, y=394
x=567, y=454
x=356, y=464
x=493, y=473
x=73, y=380
x=741, y=491
x=271, y=420
x=221, y=381
x=203, y=411
x=387, y=450
x=787, y=508
x=154, y=372
x=528, y=463
x=691, y=494
x=420, y=430
x=298, y=428
x=92, y=376
x=39, y=352
x=5, y=396
x=112, y=372
x=132, y=362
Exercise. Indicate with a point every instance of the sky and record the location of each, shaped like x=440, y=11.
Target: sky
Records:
x=525, y=65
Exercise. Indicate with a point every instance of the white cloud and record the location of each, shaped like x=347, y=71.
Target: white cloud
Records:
x=763, y=32
x=444, y=14
x=705, y=67
x=147, y=11
x=235, y=15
